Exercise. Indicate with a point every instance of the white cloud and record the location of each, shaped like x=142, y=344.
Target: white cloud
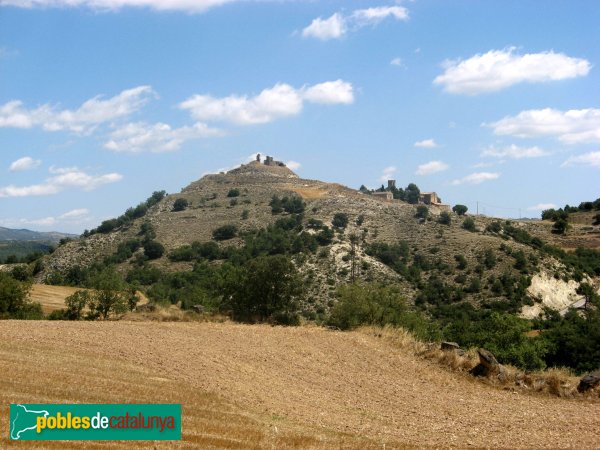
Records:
x=89, y=115
x=499, y=69
x=282, y=100
x=159, y=137
x=339, y=24
x=575, y=126
x=193, y=6
x=25, y=163
x=330, y=92
x=431, y=167
x=64, y=178
x=476, y=178
x=372, y=16
x=515, y=152
x=591, y=159
x=325, y=29
x=541, y=207
x=293, y=165
x=426, y=143
x=73, y=217
x=388, y=173
x=396, y=62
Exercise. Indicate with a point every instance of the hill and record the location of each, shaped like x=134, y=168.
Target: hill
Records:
x=255, y=386
x=9, y=234
x=22, y=242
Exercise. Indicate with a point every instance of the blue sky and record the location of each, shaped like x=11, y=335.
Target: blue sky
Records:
x=104, y=101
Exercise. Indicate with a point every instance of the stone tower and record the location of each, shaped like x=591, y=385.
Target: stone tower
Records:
x=391, y=184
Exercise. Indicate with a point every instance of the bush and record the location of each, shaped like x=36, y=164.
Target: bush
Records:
x=560, y=226
x=225, y=232
x=233, y=192
x=340, y=220
x=422, y=212
x=180, y=204
x=14, y=300
x=153, y=249
x=445, y=218
x=469, y=224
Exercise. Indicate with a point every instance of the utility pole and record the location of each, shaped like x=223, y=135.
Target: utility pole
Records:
x=477, y=208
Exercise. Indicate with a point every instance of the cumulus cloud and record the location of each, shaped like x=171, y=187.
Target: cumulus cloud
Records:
x=293, y=165
x=431, y=167
x=89, y=115
x=192, y=6
x=62, y=179
x=591, y=159
x=575, y=126
x=476, y=178
x=515, y=152
x=159, y=137
x=339, y=24
x=25, y=163
x=324, y=29
x=541, y=207
x=282, y=100
x=426, y=143
x=73, y=217
x=499, y=69
x=388, y=173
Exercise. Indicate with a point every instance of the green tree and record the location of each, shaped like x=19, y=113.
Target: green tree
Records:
x=234, y=192
x=180, y=204
x=461, y=210
x=469, y=224
x=268, y=288
x=153, y=249
x=560, y=226
x=14, y=299
x=109, y=296
x=76, y=303
x=412, y=194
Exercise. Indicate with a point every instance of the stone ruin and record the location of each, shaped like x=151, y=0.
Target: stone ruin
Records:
x=269, y=161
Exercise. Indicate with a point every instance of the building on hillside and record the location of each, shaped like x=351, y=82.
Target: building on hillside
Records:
x=429, y=198
x=385, y=196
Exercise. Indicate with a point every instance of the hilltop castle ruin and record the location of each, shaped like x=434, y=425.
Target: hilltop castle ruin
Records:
x=269, y=161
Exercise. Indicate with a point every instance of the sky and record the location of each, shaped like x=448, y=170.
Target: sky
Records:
x=492, y=104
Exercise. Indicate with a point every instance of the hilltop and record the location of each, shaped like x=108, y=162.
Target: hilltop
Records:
x=467, y=260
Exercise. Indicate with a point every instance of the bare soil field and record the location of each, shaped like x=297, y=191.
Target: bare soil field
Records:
x=247, y=386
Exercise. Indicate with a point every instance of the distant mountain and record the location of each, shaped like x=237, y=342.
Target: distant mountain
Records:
x=8, y=234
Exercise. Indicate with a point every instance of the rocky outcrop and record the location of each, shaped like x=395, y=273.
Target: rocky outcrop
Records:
x=589, y=382
x=488, y=365
x=551, y=292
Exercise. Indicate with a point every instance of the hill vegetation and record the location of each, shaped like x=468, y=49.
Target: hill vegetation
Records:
x=261, y=245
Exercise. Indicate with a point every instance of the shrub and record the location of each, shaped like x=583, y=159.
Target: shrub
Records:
x=340, y=220
x=14, y=300
x=245, y=214
x=494, y=227
x=560, y=226
x=225, y=232
x=314, y=224
x=153, y=249
x=180, y=204
x=461, y=262
x=469, y=224
x=234, y=192
x=422, y=212
x=445, y=218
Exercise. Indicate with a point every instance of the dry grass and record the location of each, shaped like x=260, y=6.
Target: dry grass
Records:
x=51, y=298
x=258, y=387
x=555, y=382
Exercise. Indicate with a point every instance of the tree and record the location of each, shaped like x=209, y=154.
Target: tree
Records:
x=267, y=288
x=225, y=232
x=445, y=218
x=180, y=204
x=153, y=249
x=108, y=297
x=14, y=298
x=412, y=194
x=340, y=220
x=560, y=226
x=461, y=210
x=233, y=192
x=76, y=303
x=422, y=212
x=590, y=295
x=276, y=205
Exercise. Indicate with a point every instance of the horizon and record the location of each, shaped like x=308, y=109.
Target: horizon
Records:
x=104, y=102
